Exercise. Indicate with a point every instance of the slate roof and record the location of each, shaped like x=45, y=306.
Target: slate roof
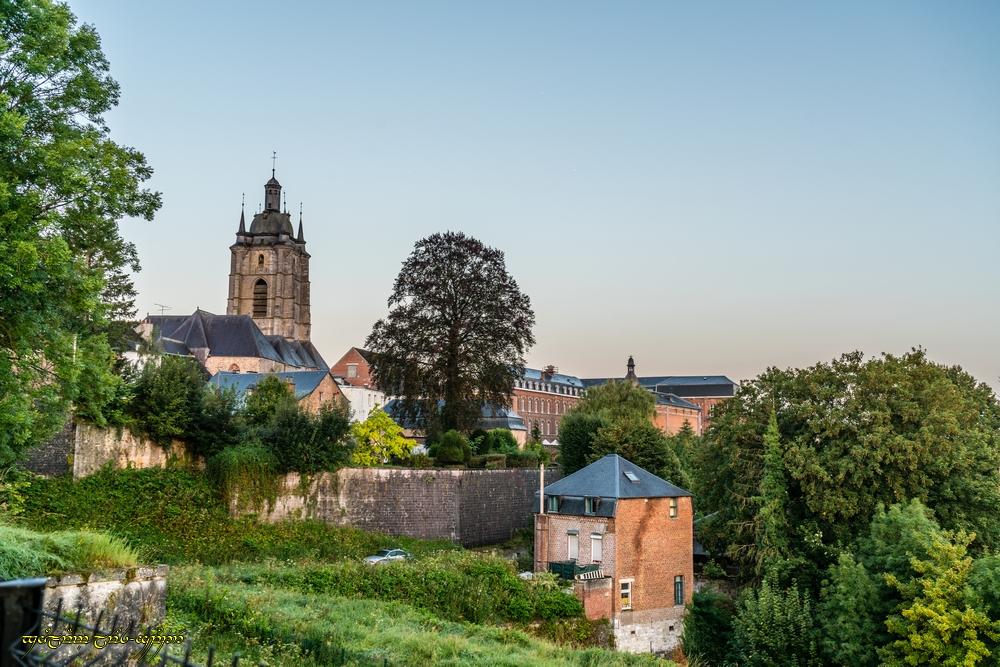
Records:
x=492, y=417
x=272, y=223
x=681, y=385
x=535, y=375
x=229, y=336
x=606, y=478
x=674, y=400
x=305, y=382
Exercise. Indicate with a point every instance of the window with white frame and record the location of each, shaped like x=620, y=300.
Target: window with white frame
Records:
x=625, y=587
x=673, y=508
x=572, y=545
x=596, y=547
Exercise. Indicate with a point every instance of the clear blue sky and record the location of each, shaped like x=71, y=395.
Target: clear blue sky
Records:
x=713, y=188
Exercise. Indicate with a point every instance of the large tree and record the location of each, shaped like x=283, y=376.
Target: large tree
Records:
x=456, y=333
x=64, y=185
x=852, y=434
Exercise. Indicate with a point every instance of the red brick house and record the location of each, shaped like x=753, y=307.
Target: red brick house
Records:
x=626, y=537
x=355, y=368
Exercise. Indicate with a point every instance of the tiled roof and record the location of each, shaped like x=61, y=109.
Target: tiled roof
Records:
x=304, y=382
x=614, y=477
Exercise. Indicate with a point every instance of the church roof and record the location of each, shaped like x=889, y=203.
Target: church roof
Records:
x=272, y=223
x=229, y=336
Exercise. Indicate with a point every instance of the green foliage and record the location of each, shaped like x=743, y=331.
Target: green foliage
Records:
x=178, y=516
x=708, y=628
x=457, y=331
x=576, y=436
x=772, y=517
x=499, y=441
x=936, y=622
x=246, y=475
x=852, y=601
x=642, y=443
x=271, y=396
x=219, y=424
x=854, y=434
x=378, y=440
x=14, y=485
x=26, y=553
x=984, y=585
x=63, y=187
x=315, y=627
x=167, y=399
x=774, y=627
x=452, y=449
x=617, y=401
x=304, y=442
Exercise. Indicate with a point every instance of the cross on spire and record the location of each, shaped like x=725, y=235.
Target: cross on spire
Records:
x=274, y=162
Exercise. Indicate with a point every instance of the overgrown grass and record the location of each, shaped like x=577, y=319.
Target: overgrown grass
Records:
x=296, y=628
x=178, y=516
x=26, y=553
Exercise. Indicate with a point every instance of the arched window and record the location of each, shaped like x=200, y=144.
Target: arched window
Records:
x=260, y=298
x=260, y=262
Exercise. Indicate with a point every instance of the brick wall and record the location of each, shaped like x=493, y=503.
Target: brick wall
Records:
x=472, y=507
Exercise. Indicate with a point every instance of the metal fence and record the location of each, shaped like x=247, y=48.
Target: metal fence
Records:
x=31, y=636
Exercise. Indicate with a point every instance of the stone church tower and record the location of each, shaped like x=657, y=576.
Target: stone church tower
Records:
x=269, y=272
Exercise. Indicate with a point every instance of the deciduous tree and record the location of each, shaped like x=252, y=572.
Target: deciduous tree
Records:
x=457, y=330
x=64, y=185
x=379, y=439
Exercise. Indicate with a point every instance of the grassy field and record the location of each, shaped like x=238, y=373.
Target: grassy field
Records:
x=286, y=627
x=29, y=553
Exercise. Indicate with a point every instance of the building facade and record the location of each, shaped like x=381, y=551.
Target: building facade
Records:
x=626, y=538
x=269, y=271
x=355, y=368
x=542, y=397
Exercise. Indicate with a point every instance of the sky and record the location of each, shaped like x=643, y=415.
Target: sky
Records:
x=714, y=188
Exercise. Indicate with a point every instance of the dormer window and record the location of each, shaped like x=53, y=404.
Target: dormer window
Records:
x=553, y=504
x=590, y=505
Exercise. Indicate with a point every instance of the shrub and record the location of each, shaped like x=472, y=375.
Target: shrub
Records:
x=303, y=442
x=219, y=423
x=421, y=461
x=708, y=628
x=168, y=396
x=774, y=626
x=247, y=474
x=453, y=448
x=268, y=397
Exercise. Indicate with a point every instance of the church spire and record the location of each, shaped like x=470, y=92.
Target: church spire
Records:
x=301, y=238
x=631, y=376
x=243, y=222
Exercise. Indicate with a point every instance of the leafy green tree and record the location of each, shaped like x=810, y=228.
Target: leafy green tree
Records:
x=452, y=449
x=577, y=431
x=642, y=443
x=63, y=187
x=267, y=398
x=220, y=423
x=772, y=517
x=774, y=627
x=167, y=401
x=307, y=443
x=708, y=628
x=457, y=330
x=617, y=400
x=936, y=623
x=498, y=440
x=684, y=444
x=379, y=439
x=536, y=433
x=850, y=614
x=855, y=434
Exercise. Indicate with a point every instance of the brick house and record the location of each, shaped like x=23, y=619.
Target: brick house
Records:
x=355, y=368
x=626, y=538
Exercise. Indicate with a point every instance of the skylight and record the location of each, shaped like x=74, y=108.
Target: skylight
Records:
x=631, y=477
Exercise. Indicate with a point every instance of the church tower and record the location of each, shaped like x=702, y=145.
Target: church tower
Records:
x=269, y=271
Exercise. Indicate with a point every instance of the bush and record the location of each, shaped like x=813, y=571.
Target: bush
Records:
x=708, y=628
x=305, y=443
x=167, y=401
x=452, y=449
x=421, y=461
x=247, y=474
x=774, y=627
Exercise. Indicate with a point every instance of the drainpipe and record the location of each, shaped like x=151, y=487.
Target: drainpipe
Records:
x=541, y=489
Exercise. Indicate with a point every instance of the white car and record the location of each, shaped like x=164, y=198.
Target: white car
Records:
x=388, y=556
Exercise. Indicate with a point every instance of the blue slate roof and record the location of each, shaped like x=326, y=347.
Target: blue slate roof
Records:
x=674, y=400
x=492, y=417
x=535, y=375
x=304, y=382
x=611, y=477
x=681, y=385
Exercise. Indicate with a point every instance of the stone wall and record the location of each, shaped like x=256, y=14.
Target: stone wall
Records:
x=137, y=595
x=653, y=635
x=471, y=507
x=96, y=447
x=54, y=457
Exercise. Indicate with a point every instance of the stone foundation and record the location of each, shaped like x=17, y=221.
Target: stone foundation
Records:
x=650, y=631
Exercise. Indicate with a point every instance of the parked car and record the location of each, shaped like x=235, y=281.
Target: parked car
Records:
x=388, y=556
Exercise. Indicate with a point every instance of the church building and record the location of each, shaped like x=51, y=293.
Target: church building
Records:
x=266, y=327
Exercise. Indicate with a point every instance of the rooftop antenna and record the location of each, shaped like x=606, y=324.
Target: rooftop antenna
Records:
x=162, y=308
x=274, y=162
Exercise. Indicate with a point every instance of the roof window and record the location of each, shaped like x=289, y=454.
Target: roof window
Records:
x=631, y=477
